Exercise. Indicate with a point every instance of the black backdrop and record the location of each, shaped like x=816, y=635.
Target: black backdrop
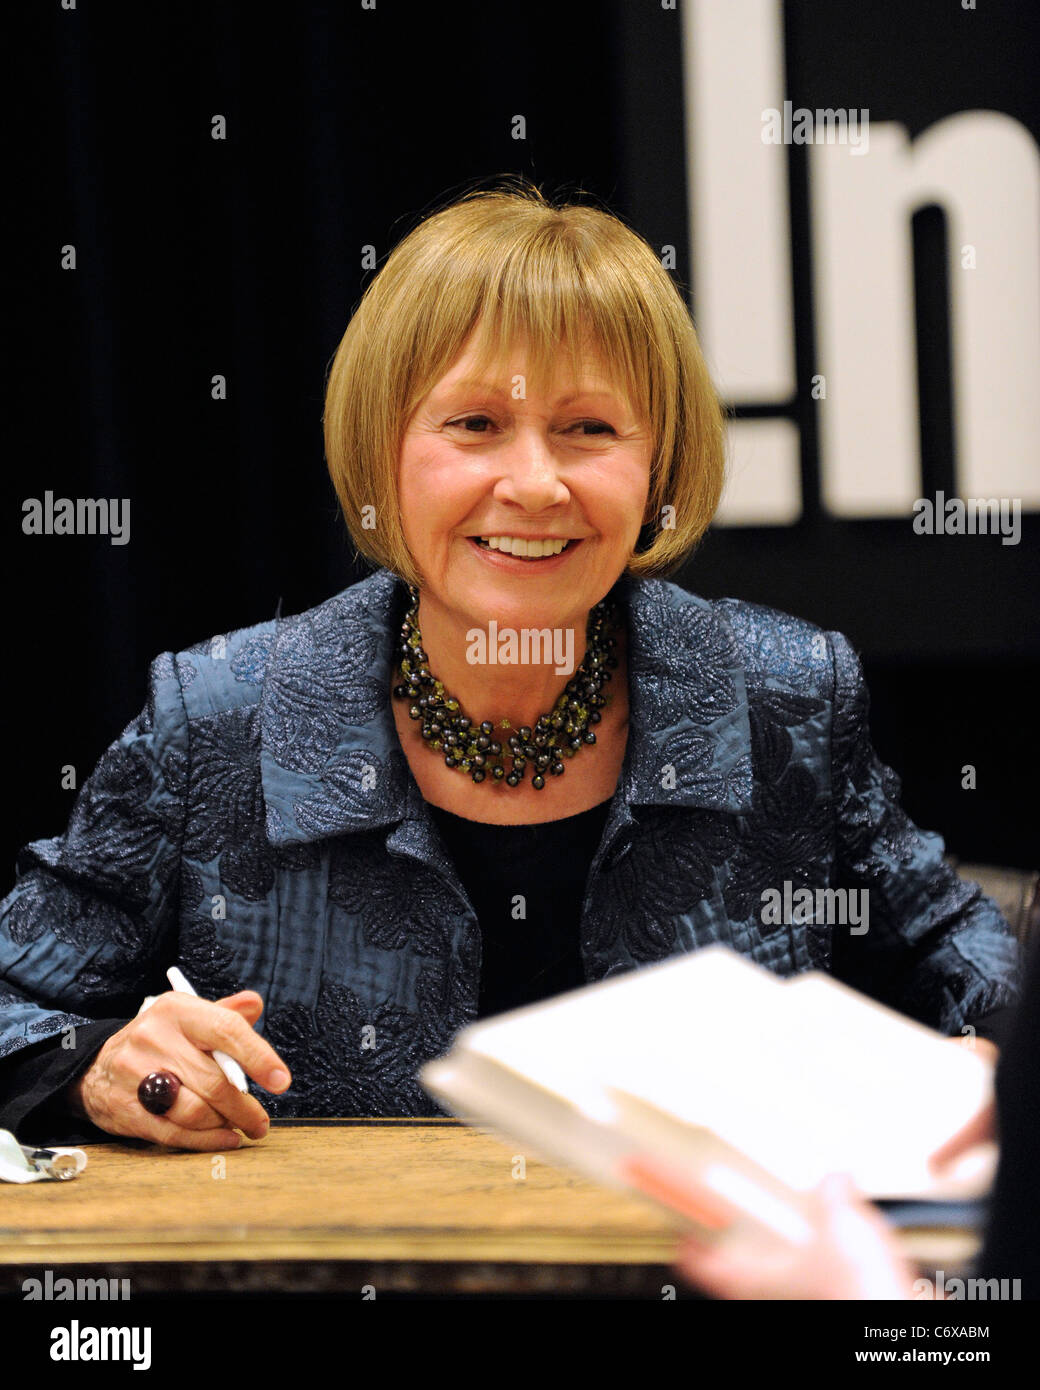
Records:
x=243, y=257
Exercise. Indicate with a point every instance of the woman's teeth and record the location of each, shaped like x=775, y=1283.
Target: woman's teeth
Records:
x=522, y=549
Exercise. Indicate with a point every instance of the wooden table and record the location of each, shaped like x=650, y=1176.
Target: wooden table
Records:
x=421, y=1207
x=402, y=1205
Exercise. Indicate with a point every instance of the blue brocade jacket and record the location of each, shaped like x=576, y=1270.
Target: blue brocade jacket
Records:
x=259, y=825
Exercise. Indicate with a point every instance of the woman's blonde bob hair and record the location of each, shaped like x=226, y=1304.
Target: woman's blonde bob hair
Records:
x=557, y=277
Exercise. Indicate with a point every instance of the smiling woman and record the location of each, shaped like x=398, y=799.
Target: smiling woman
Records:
x=344, y=820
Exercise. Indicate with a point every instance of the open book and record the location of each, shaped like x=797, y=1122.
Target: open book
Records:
x=715, y=1068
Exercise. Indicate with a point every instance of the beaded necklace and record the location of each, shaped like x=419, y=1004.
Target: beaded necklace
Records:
x=471, y=747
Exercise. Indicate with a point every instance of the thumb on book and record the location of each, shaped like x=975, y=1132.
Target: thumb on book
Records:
x=979, y=1129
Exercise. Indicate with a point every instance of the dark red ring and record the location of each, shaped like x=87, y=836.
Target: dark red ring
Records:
x=158, y=1091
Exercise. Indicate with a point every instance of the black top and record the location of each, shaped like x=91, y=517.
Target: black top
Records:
x=527, y=885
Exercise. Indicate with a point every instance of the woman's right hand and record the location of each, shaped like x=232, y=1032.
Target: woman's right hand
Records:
x=177, y=1034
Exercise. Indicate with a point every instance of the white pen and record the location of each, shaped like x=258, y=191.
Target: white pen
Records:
x=227, y=1065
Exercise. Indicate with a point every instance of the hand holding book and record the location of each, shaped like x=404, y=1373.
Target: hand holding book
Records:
x=742, y=1089
x=851, y=1252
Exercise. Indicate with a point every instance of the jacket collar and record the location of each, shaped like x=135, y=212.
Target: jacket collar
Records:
x=331, y=761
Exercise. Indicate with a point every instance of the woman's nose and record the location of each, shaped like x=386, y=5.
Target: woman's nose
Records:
x=530, y=475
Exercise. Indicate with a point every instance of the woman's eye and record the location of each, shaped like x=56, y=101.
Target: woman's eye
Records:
x=470, y=421
x=597, y=426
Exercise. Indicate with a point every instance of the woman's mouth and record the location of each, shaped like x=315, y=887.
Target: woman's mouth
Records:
x=529, y=551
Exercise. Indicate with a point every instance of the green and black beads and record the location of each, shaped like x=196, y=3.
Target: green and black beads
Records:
x=473, y=748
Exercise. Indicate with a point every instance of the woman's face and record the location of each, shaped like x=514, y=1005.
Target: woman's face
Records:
x=487, y=458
